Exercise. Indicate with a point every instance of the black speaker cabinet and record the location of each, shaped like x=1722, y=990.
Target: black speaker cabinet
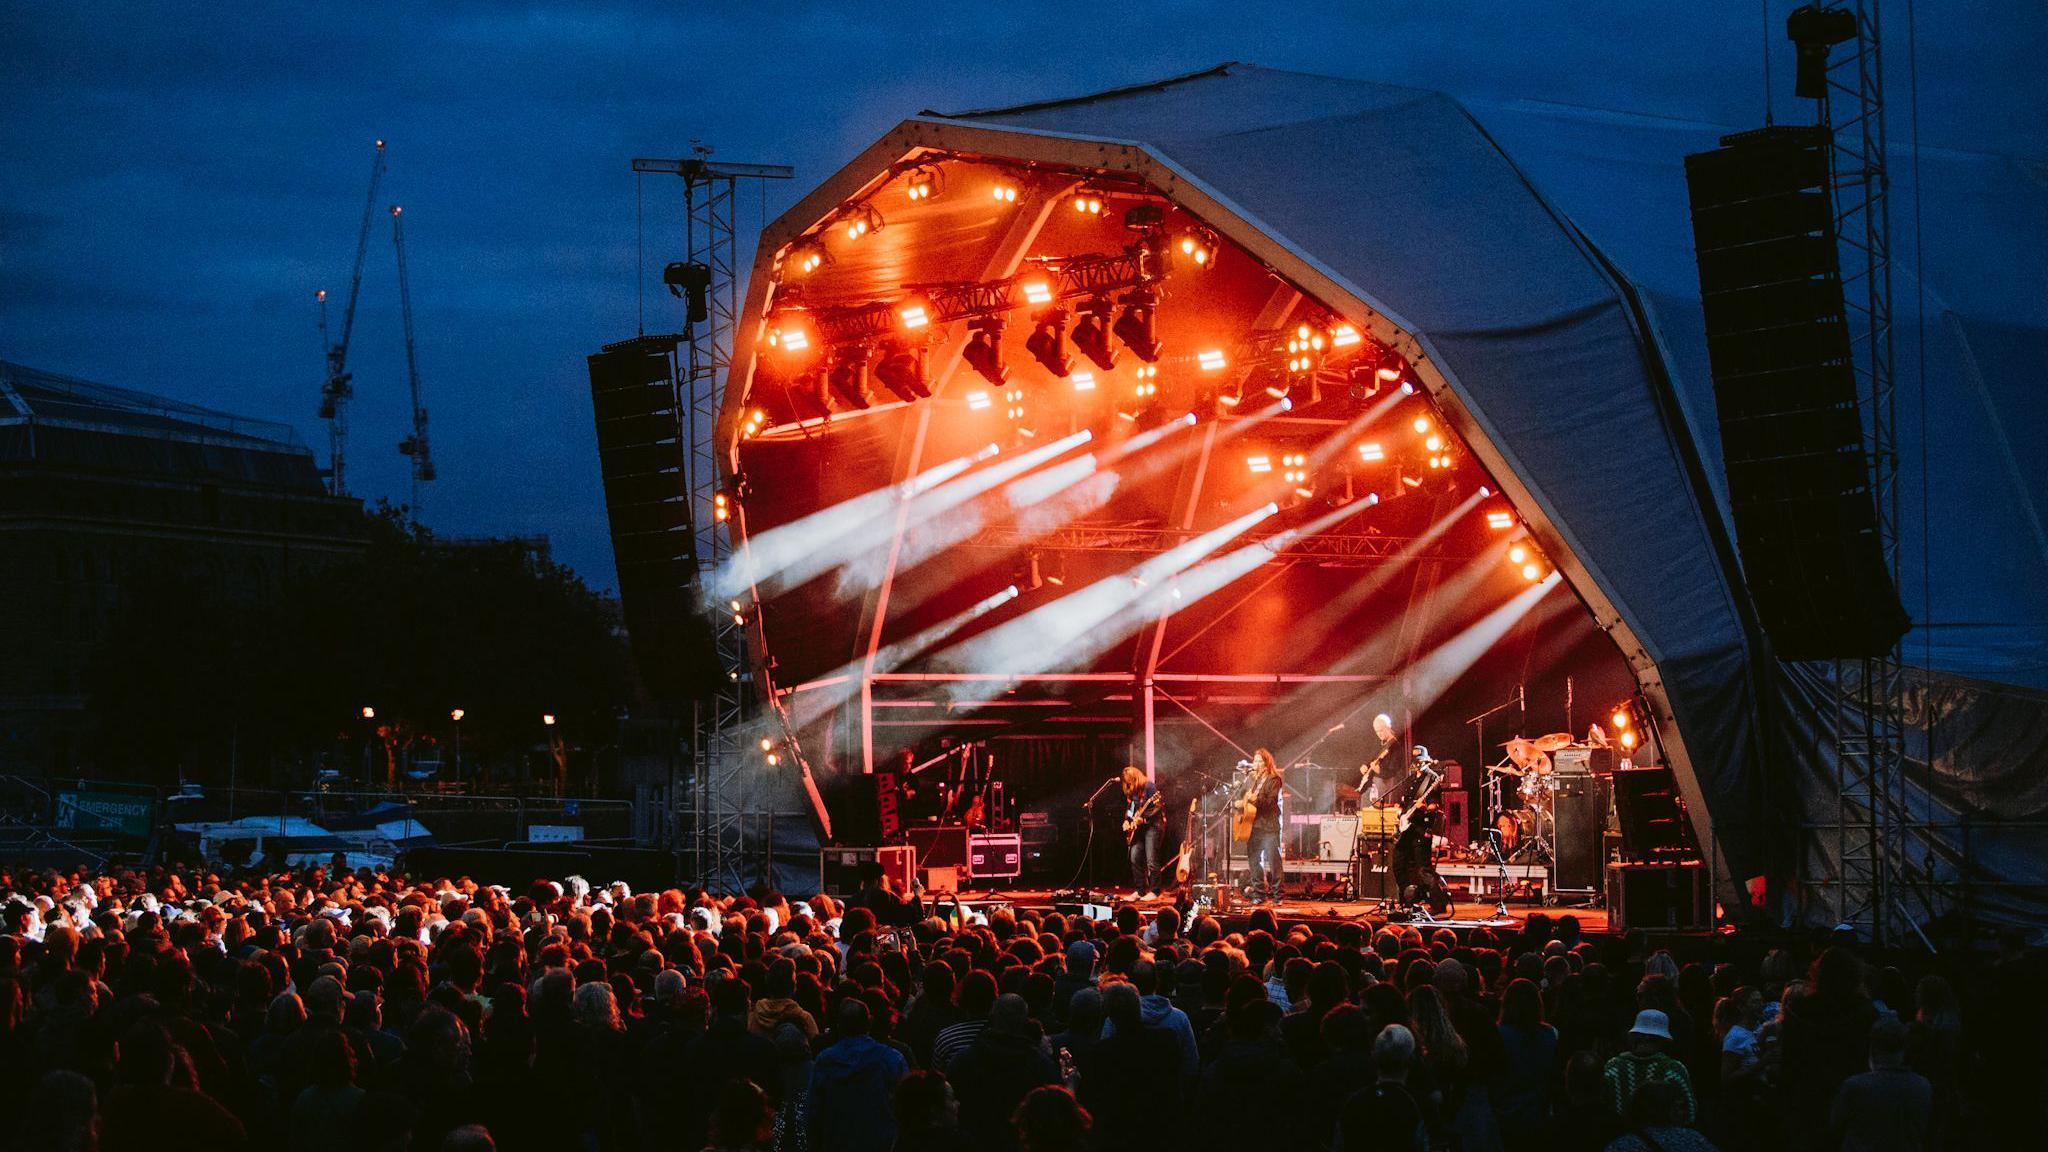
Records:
x=1780, y=348
x=1658, y=897
x=1580, y=808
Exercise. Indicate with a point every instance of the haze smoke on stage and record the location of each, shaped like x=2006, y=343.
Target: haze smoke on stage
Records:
x=862, y=565
x=1433, y=675
x=819, y=698
x=1334, y=611
x=1043, y=638
x=787, y=556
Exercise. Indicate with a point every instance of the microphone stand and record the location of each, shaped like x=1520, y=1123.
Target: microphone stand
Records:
x=1088, y=848
x=1479, y=724
x=1501, y=860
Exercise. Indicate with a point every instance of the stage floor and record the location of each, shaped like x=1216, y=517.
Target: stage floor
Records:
x=1463, y=914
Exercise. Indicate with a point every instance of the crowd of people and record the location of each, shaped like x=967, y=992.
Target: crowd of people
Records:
x=326, y=1011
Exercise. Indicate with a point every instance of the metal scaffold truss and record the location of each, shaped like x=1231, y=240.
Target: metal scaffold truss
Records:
x=708, y=817
x=1875, y=836
x=1329, y=549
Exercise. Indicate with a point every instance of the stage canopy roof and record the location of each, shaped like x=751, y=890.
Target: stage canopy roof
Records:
x=1535, y=264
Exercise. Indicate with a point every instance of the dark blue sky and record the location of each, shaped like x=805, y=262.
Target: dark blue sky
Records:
x=180, y=179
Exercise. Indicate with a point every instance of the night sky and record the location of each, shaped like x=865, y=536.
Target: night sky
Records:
x=179, y=179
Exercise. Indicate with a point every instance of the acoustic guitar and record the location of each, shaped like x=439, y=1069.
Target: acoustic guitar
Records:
x=1187, y=846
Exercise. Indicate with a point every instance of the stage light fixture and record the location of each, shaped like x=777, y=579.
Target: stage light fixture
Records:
x=1407, y=387
x=1344, y=336
x=1136, y=326
x=1500, y=520
x=1091, y=333
x=922, y=184
x=1371, y=452
x=984, y=352
x=1532, y=572
x=807, y=256
x=902, y=371
x=1259, y=464
x=1048, y=342
x=1037, y=292
x=913, y=314
x=1087, y=203
x=1003, y=192
x=1421, y=424
x=1211, y=360
x=1084, y=381
x=1145, y=382
x=1628, y=740
x=1198, y=247
x=849, y=376
x=755, y=421
x=1517, y=554
x=1484, y=491
x=721, y=508
x=1434, y=443
x=977, y=400
x=860, y=221
x=1813, y=31
x=1620, y=718
x=791, y=333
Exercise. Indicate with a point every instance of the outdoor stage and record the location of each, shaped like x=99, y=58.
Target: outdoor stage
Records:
x=1463, y=916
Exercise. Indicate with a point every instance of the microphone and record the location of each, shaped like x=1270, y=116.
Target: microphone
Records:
x=1522, y=695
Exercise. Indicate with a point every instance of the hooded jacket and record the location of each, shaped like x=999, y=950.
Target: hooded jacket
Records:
x=1158, y=1012
x=848, y=1108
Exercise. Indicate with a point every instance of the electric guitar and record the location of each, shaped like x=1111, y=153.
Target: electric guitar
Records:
x=1430, y=779
x=1142, y=815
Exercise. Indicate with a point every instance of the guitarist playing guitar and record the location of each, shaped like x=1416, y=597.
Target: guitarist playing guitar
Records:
x=1259, y=814
x=1381, y=779
x=1144, y=829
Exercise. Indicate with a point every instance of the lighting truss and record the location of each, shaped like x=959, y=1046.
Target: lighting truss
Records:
x=1144, y=538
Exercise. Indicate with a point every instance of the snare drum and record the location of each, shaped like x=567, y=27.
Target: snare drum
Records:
x=1536, y=792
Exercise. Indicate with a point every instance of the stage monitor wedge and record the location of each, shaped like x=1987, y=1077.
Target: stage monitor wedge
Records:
x=1785, y=389
x=642, y=459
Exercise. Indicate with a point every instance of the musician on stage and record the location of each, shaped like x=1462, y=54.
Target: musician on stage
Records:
x=1144, y=829
x=1415, y=873
x=1263, y=848
x=1386, y=776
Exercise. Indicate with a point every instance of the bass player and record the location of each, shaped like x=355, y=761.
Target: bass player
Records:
x=1144, y=829
x=1385, y=777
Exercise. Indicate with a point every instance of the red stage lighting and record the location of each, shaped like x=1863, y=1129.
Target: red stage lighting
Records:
x=984, y=351
x=1091, y=333
x=902, y=371
x=1136, y=327
x=807, y=256
x=1048, y=342
x=922, y=183
x=792, y=333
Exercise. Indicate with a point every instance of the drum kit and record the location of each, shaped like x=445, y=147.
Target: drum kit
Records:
x=1528, y=829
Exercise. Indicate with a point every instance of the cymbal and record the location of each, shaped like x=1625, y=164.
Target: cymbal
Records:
x=1504, y=770
x=1553, y=741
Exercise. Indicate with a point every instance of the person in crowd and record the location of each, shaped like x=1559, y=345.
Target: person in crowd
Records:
x=1385, y=1116
x=1889, y=1108
x=1647, y=1059
x=1826, y=1036
x=1657, y=1122
x=1049, y=1119
x=1521, y=1091
x=928, y=1115
x=994, y=1073
x=847, y=1079
x=1130, y=1076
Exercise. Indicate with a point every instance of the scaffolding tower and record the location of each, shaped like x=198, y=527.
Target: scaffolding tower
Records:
x=706, y=816
x=1875, y=835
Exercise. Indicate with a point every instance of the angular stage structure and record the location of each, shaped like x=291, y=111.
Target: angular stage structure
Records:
x=1389, y=336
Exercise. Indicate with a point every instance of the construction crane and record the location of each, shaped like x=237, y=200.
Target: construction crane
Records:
x=414, y=445
x=335, y=390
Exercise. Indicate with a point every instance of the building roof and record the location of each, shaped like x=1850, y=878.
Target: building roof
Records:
x=62, y=420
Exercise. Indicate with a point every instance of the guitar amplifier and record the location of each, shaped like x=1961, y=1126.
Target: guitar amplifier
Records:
x=939, y=845
x=1339, y=837
x=1578, y=761
x=839, y=869
x=995, y=857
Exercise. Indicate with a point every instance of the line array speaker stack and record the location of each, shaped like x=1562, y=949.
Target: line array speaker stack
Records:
x=641, y=456
x=1778, y=340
